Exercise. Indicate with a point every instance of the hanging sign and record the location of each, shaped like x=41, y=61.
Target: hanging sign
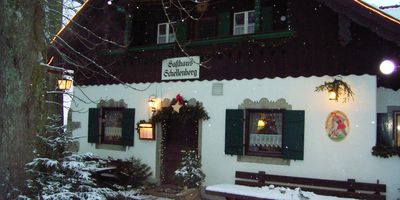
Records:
x=337, y=125
x=181, y=68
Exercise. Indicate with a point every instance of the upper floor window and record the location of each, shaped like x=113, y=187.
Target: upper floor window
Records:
x=165, y=33
x=243, y=22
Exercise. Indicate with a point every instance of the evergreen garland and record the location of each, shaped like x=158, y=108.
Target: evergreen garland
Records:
x=340, y=87
x=385, y=151
x=186, y=112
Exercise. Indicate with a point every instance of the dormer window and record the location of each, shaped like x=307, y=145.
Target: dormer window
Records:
x=165, y=33
x=243, y=22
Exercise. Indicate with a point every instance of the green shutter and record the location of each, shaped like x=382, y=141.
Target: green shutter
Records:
x=293, y=135
x=224, y=21
x=234, y=132
x=128, y=29
x=181, y=31
x=94, y=125
x=266, y=23
x=382, y=137
x=257, y=10
x=128, y=126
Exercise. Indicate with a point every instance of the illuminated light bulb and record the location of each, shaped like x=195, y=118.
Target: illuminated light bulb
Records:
x=332, y=95
x=387, y=67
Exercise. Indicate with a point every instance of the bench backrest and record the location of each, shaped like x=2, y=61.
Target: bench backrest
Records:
x=349, y=188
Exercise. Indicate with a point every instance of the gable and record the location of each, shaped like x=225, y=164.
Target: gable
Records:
x=308, y=45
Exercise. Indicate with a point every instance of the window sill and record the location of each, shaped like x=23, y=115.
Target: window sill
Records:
x=206, y=41
x=111, y=147
x=263, y=160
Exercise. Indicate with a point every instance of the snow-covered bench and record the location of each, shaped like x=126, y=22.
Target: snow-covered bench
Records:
x=249, y=185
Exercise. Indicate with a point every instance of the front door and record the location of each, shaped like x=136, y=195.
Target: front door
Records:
x=178, y=136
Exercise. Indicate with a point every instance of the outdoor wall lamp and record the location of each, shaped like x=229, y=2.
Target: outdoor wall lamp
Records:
x=387, y=67
x=65, y=82
x=333, y=95
x=152, y=104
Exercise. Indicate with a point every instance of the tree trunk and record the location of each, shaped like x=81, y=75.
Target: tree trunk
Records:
x=23, y=82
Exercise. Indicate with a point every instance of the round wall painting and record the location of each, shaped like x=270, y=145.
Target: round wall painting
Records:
x=337, y=125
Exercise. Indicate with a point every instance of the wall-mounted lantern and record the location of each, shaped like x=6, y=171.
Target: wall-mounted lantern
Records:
x=152, y=102
x=146, y=131
x=65, y=83
x=337, y=88
x=333, y=95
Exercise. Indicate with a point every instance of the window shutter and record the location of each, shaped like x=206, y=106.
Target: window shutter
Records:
x=293, y=135
x=224, y=21
x=382, y=130
x=150, y=33
x=181, y=31
x=234, y=132
x=266, y=25
x=94, y=125
x=128, y=127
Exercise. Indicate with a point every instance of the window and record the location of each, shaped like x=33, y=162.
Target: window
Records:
x=264, y=132
x=397, y=129
x=165, y=33
x=388, y=129
x=272, y=133
x=243, y=22
x=111, y=125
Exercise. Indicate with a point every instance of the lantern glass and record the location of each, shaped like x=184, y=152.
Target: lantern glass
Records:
x=332, y=95
x=152, y=104
x=64, y=84
x=146, y=131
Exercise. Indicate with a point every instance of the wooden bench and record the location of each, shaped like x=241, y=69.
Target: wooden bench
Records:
x=349, y=189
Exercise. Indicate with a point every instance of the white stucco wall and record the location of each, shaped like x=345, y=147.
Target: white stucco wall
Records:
x=323, y=158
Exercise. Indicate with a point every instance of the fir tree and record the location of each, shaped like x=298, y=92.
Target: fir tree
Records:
x=55, y=173
x=189, y=173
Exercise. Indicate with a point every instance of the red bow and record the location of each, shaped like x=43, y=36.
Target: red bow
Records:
x=179, y=99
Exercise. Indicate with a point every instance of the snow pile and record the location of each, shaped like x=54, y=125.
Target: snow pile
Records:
x=270, y=192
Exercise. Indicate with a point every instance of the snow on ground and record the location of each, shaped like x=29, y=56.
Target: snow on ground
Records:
x=270, y=192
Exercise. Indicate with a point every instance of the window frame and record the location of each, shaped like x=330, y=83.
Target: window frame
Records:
x=246, y=22
x=247, y=133
x=167, y=34
x=396, y=128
